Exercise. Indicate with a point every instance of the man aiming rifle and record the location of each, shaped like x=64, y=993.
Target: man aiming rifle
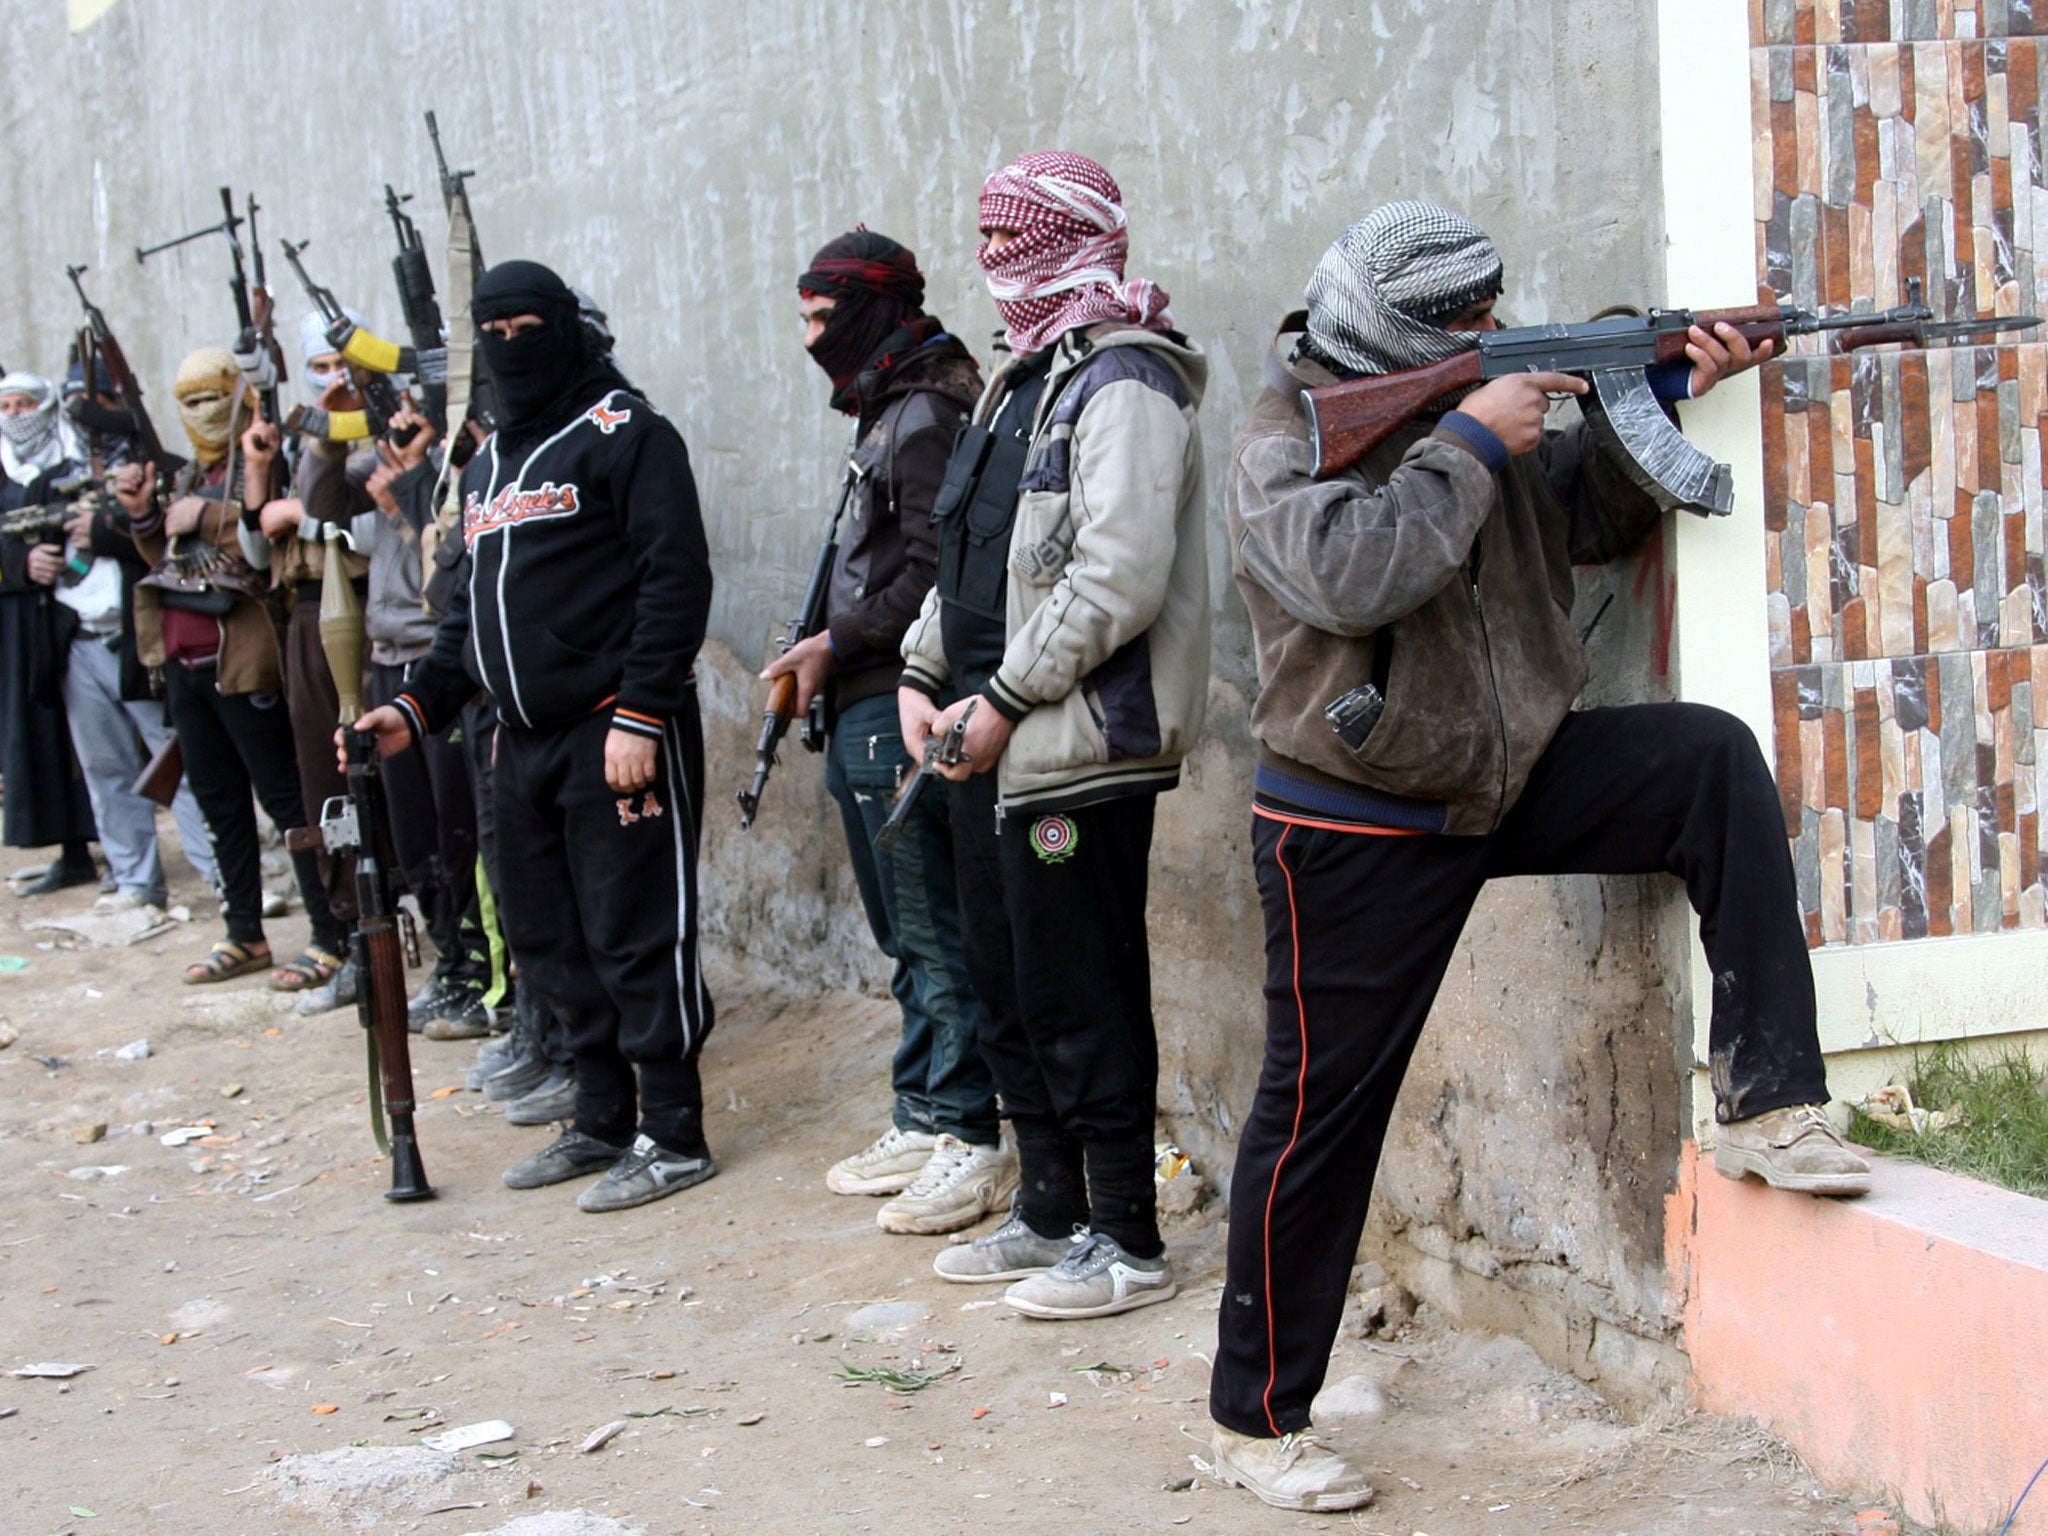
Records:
x=1417, y=672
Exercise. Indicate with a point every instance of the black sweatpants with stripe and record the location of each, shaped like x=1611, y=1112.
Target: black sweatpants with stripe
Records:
x=599, y=899
x=1053, y=919
x=1360, y=927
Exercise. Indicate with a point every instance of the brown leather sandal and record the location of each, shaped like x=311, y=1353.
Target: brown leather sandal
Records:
x=225, y=961
x=306, y=970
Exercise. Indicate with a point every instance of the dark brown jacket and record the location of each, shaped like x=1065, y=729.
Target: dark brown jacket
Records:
x=888, y=550
x=1421, y=566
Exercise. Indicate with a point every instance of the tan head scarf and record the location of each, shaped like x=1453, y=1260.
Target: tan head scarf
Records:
x=208, y=390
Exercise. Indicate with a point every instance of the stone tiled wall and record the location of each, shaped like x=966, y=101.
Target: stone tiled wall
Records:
x=1900, y=140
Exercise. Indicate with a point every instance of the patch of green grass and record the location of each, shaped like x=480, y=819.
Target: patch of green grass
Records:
x=2001, y=1136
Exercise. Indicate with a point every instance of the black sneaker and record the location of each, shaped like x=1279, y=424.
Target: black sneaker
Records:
x=554, y=1099
x=569, y=1156
x=463, y=1018
x=647, y=1172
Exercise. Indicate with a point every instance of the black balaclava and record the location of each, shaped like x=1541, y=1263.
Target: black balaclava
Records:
x=878, y=290
x=545, y=376
x=108, y=425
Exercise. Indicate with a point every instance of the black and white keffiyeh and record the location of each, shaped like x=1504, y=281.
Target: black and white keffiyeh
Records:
x=1383, y=290
x=33, y=441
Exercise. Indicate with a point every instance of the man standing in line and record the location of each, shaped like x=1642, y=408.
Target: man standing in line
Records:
x=113, y=719
x=1432, y=583
x=46, y=804
x=589, y=590
x=909, y=386
x=1069, y=630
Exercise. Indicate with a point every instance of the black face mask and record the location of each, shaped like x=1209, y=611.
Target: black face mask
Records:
x=854, y=332
x=100, y=420
x=530, y=371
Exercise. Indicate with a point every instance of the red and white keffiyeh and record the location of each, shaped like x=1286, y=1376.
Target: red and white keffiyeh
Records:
x=1066, y=265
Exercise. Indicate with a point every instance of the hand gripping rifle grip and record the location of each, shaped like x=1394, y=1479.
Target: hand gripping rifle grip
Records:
x=1347, y=421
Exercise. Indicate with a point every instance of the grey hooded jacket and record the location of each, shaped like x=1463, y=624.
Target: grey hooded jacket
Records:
x=1106, y=667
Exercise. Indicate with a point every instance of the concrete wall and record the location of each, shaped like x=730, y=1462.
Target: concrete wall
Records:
x=679, y=160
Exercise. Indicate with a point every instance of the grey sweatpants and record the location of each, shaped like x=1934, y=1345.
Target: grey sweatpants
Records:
x=104, y=733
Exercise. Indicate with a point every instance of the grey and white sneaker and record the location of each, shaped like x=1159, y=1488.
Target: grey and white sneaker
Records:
x=1011, y=1252
x=1296, y=1471
x=554, y=1099
x=885, y=1166
x=1095, y=1279
x=494, y=1055
x=517, y=1077
x=959, y=1184
x=339, y=992
x=570, y=1155
x=647, y=1172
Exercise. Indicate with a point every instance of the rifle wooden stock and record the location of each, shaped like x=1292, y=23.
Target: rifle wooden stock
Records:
x=1347, y=421
x=162, y=774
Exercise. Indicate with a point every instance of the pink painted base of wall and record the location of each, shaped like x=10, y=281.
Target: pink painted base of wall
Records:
x=1898, y=1342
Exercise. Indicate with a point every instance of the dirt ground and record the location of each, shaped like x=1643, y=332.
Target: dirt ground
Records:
x=251, y=1309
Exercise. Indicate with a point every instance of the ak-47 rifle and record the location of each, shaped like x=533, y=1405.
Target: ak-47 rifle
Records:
x=381, y=400
x=357, y=824
x=253, y=307
x=263, y=314
x=945, y=751
x=97, y=341
x=808, y=621
x=1348, y=420
x=422, y=313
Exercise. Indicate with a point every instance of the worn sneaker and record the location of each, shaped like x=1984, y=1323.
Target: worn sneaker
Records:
x=426, y=1003
x=1011, y=1252
x=885, y=1166
x=124, y=901
x=517, y=1078
x=647, y=1172
x=493, y=1056
x=554, y=1099
x=1794, y=1148
x=1296, y=1471
x=959, y=1184
x=569, y=1156
x=339, y=992
x=1095, y=1279
x=463, y=1018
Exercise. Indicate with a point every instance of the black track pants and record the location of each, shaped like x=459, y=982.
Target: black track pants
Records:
x=599, y=895
x=1053, y=911
x=1359, y=930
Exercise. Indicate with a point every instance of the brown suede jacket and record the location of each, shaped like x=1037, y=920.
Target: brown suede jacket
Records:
x=1423, y=567
x=250, y=661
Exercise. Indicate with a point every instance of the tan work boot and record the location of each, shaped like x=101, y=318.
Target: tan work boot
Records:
x=1296, y=1471
x=1793, y=1148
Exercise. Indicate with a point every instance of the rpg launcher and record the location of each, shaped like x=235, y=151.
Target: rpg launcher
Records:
x=782, y=692
x=96, y=341
x=1348, y=420
x=358, y=824
x=381, y=400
